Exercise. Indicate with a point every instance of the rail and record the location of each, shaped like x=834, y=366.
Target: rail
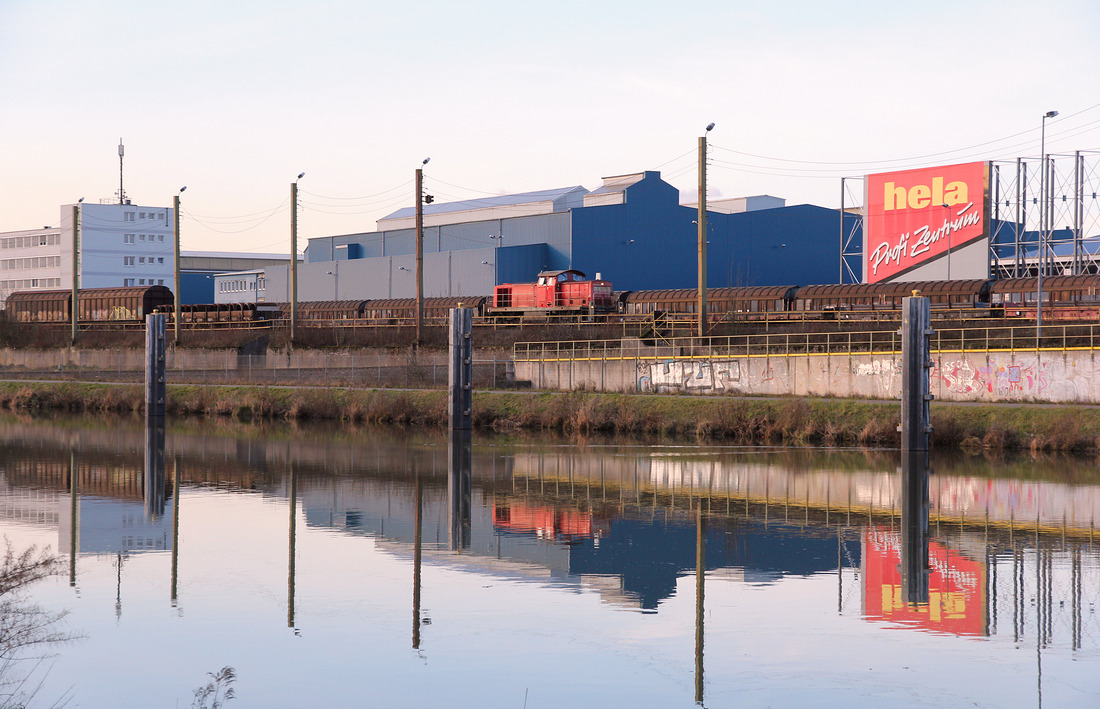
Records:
x=944, y=340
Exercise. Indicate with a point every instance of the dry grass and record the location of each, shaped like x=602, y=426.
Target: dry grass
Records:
x=806, y=422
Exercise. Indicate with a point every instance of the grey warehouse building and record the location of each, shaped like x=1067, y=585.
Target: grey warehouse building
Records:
x=632, y=231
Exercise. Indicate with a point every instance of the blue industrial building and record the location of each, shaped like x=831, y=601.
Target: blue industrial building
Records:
x=632, y=231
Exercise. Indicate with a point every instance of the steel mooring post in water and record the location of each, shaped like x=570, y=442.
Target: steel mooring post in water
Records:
x=156, y=357
x=916, y=360
x=460, y=374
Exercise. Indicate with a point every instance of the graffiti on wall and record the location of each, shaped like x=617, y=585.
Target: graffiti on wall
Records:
x=700, y=376
x=886, y=374
x=977, y=377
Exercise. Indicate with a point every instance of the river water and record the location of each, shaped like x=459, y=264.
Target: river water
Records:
x=360, y=567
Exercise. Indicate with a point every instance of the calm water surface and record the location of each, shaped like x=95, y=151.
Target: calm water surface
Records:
x=337, y=567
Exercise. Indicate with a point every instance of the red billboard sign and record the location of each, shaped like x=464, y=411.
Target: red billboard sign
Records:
x=956, y=587
x=914, y=216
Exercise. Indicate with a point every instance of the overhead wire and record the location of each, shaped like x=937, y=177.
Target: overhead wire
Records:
x=1068, y=132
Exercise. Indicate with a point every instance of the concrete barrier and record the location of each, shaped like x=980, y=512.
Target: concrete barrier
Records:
x=1055, y=376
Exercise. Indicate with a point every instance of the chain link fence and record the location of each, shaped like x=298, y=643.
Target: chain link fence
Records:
x=417, y=370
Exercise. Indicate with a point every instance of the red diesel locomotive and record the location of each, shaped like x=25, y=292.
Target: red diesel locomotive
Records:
x=561, y=292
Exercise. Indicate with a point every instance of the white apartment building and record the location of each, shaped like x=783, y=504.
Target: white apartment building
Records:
x=120, y=245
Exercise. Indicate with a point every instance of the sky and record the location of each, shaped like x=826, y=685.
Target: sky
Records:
x=234, y=100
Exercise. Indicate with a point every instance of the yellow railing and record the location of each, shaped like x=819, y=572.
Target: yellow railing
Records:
x=988, y=339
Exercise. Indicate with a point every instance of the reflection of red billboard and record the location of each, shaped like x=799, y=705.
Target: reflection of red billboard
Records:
x=913, y=215
x=956, y=587
x=546, y=522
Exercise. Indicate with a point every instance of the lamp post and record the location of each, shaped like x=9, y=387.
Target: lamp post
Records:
x=420, y=251
x=947, y=219
x=702, y=220
x=1042, y=225
x=76, y=268
x=176, y=220
x=294, y=257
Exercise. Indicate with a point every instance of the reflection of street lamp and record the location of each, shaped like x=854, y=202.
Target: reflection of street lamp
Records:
x=1042, y=223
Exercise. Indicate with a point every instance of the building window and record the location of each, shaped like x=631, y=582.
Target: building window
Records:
x=141, y=259
x=160, y=259
x=160, y=281
x=129, y=216
x=142, y=237
x=127, y=260
x=141, y=281
x=128, y=282
x=127, y=238
x=160, y=237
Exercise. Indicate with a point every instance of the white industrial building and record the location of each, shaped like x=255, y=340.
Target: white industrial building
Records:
x=120, y=245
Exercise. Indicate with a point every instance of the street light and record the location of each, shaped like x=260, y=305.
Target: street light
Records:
x=1042, y=224
x=947, y=219
x=176, y=240
x=420, y=251
x=294, y=257
x=76, y=267
x=702, y=220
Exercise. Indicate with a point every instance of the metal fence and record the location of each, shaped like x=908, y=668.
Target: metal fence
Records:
x=306, y=368
x=988, y=339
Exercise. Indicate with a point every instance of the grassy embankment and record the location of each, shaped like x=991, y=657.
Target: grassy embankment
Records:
x=746, y=421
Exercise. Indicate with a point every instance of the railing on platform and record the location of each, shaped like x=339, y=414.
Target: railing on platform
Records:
x=988, y=339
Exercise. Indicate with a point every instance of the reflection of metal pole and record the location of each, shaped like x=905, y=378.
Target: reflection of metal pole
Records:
x=700, y=583
x=914, y=526
x=154, y=467
x=74, y=518
x=293, y=521
x=175, y=527
x=418, y=539
x=458, y=489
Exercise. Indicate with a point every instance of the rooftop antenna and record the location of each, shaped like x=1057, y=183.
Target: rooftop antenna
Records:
x=121, y=192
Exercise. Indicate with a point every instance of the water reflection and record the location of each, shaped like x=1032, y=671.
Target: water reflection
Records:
x=974, y=550
x=914, y=526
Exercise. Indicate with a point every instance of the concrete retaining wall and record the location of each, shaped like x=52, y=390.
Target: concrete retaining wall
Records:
x=1047, y=376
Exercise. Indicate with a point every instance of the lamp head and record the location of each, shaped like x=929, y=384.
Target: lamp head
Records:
x=1050, y=114
x=710, y=126
x=426, y=160
x=301, y=175
x=183, y=189
x=80, y=200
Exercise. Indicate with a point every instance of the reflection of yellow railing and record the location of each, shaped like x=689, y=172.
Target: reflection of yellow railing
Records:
x=988, y=339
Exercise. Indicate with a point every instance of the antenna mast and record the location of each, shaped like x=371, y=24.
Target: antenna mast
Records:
x=121, y=192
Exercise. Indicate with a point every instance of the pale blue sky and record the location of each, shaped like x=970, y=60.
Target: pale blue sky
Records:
x=234, y=99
